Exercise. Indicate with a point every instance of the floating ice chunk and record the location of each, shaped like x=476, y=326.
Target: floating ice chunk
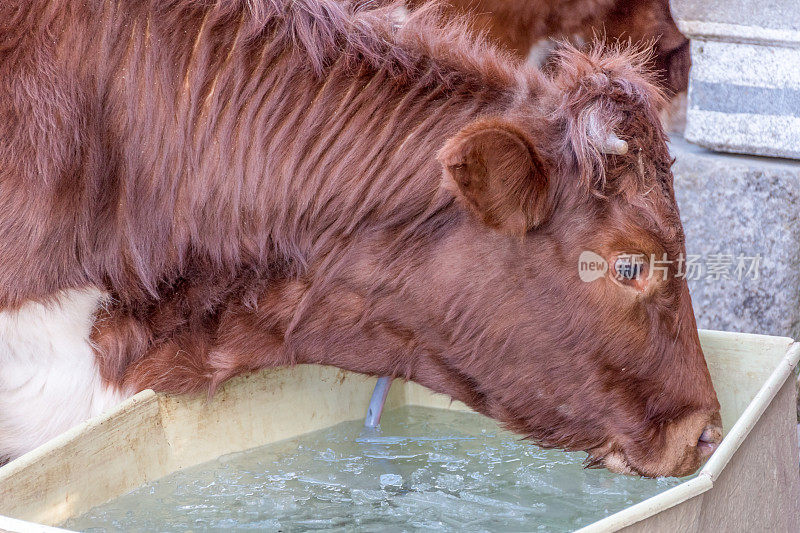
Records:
x=391, y=480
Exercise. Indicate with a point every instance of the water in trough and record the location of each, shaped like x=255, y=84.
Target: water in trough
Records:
x=424, y=469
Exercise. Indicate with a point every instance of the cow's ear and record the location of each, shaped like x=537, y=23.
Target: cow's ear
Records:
x=493, y=166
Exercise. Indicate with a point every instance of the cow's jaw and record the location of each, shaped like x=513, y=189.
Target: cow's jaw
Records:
x=49, y=378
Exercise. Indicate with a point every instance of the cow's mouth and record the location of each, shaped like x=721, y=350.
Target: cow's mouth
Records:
x=617, y=463
x=614, y=461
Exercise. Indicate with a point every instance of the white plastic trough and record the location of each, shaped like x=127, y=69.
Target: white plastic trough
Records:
x=751, y=483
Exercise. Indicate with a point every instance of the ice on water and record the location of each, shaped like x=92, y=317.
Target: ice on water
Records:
x=424, y=469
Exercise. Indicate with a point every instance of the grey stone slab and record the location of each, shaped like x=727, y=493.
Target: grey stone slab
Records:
x=745, y=98
x=734, y=205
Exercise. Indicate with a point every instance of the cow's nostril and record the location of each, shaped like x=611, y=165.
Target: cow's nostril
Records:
x=709, y=440
x=711, y=435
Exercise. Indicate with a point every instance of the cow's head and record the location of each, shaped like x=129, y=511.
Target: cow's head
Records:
x=650, y=21
x=571, y=320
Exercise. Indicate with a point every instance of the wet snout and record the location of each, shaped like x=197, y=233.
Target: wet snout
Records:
x=691, y=441
x=685, y=445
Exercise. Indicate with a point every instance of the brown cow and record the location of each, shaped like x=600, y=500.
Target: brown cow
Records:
x=213, y=189
x=518, y=25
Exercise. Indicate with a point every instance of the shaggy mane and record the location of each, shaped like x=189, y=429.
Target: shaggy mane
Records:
x=367, y=34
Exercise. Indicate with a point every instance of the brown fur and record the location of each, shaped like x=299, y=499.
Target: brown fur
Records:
x=517, y=25
x=275, y=182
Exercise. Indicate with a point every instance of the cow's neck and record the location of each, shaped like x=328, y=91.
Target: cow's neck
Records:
x=237, y=146
x=272, y=161
x=308, y=170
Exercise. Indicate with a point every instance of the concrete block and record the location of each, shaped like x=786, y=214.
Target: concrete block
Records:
x=744, y=88
x=741, y=207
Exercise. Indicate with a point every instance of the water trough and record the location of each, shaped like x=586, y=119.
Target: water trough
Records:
x=750, y=483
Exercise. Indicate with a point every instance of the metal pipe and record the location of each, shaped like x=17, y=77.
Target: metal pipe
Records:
x=375, y=409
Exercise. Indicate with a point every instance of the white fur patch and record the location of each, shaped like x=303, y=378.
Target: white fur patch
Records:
x=540, y=51
x=49, y=378
x=399, y=17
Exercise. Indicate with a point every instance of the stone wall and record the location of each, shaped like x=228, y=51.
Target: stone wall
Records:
x=741, y=206
x=744, y=97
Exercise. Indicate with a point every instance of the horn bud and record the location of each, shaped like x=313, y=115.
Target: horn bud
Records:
x=613, y=145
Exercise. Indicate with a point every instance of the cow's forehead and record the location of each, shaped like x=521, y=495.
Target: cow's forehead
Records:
x=656, y=213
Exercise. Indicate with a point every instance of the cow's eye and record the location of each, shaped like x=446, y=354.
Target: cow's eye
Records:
x=629, y=267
